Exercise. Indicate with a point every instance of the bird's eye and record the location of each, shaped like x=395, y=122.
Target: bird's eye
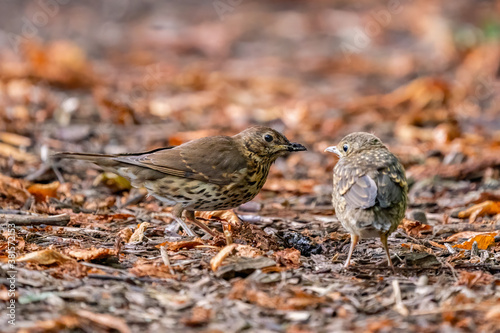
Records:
x=268, y=137
x=346, y=147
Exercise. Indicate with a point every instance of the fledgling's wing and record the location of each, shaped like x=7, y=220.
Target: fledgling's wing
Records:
x=364, y=188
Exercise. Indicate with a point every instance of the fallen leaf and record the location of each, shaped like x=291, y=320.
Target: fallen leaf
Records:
x=187, y=244
x=493, y=313
x=68, y=322
x=471, y=279
x=125, y=234
x=43, y=191
x=13, y=188
x=441, y=246
x=243, y=290
x=225, y=215
x=483, y=242
x=151, y=270
x=485, y=208
x=415, y=228
x=138, y=234
x=468, y=234
x=217, y=260
x=248, y=251
x=199, y=316
x=289, y=258
x=91, y=254
x=45, y=257
x=418, y=247
x=17, y=154
x=104, y=321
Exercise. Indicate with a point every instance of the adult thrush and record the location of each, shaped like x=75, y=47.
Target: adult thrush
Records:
x=212, y=173
x=369, y=189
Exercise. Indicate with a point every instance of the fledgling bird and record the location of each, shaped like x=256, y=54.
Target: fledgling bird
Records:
x=370, y=191
x=212, y=173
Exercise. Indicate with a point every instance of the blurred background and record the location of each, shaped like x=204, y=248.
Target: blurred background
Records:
x=114, y=76
x=124, y=76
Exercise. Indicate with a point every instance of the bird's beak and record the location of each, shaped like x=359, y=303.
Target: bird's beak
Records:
x=334, y=150
x=295, y=147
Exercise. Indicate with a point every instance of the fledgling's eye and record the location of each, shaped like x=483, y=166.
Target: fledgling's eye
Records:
x=346, y=147
x=268, y=137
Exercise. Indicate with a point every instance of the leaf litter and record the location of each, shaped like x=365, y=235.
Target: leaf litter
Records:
x=95, y=255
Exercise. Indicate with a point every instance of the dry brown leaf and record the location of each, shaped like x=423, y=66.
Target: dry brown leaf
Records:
x=199, y=316
x=91, y=254
x=43, y=191
x=15, y=139
x=138, y=234
x=483, y=242
x=415, y=228
x=441, y=246
x=17, y=154
x=289, y=258
x=125, y=234
x=471, y=279
x=45, y=257
x=151, y=270
x=493, y=313
x=176, y=246
x=59, y=324
x=248, y=251
x=217, y=260
x=418, y=247
x=59, y=62
x=485, y=208
x=105, y=321
x=225, y=215
x=13, y=188
x=243, y=290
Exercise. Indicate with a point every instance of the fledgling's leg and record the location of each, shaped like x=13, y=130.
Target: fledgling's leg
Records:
x=383, y=239
x=354, y=241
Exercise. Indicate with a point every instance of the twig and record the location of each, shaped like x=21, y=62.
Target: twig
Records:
x=166, y=261
x=61, y=219
x=399, y=306
x=454, y=228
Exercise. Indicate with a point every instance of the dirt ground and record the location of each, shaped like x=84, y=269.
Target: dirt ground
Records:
x=95, y=255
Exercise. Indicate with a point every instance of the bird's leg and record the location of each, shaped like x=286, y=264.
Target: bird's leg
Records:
x=383, y=239
x=354, y=241
x=177, y=212
x=192, y=219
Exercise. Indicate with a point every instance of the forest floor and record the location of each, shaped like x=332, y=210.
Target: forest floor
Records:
x=95, y=255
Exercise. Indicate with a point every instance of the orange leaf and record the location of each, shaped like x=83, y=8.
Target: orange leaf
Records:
x=45, y=257
x=483, y=242
x=484, y=208
x=175, y=246
x=216, y=261
x=225, y=215
x=43, y=191
x=92, y=254
x=468, y=234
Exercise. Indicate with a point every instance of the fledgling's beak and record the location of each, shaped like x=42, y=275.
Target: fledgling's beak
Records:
x=295, y=147
x=334, y=150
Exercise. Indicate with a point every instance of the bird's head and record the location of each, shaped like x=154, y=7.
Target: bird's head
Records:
x=266, y=143
x=356, y=143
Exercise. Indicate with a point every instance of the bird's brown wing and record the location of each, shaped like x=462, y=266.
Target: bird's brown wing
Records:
x=364, y=190
x=215, y=160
